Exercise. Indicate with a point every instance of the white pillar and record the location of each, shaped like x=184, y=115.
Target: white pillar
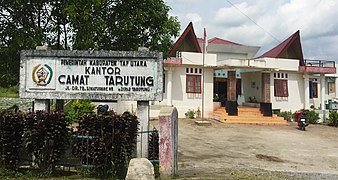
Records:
x=336, y=86
x=169, y=87
x=322, y=92
x=142, y=112
x=42, y=105
x=306, y=92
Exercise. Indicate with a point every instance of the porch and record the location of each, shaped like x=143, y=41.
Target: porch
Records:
x=247, y=115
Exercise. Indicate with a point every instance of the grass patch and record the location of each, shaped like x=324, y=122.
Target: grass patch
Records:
x=11, y=92
x=29, y=173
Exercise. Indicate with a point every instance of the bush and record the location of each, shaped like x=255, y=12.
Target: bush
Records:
x=112, y=142
x=311, y=116
x=46, y=136
x=190, y=114
x=333, y=118
x=287, y=115
x=77, y=109
x=11, y=131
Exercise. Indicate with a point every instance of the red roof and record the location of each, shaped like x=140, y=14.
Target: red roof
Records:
x=216, y=40
x=290, y=48
x=188, y=35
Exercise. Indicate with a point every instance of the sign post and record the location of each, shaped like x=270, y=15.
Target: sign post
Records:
x=96, y=75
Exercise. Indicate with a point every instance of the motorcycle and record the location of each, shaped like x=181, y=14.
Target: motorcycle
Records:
x=301, y=120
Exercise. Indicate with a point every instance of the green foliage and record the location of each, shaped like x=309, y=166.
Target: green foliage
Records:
x=333, y=118
x=12, y=91
x=111, y=140
x=287, y=115
x=311, y=116
x=78, y=108
x=46, y=136
x=11, y=131
x=190, y=114
x=73, y=24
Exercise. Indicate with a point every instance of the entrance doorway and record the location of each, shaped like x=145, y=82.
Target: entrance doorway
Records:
x=221, y=91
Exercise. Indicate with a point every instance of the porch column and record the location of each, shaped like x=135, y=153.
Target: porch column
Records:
x=322, y=92
x=169, y=87
x=266, y=105
x=306, y=92
x=231, y=105
x=336, y=86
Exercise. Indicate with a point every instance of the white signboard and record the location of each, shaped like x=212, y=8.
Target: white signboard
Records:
x=102, y=75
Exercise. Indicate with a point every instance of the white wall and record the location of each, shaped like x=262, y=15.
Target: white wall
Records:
x=225, y=56
x=184, y=101
x=295, y=101
x=189, y=58
x=251, y=82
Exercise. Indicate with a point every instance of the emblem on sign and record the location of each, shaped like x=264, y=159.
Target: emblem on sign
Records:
x=42, y=74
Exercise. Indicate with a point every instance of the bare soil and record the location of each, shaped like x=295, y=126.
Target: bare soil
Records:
x=222, y=151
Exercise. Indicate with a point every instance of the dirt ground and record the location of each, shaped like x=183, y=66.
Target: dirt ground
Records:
x=242, y=151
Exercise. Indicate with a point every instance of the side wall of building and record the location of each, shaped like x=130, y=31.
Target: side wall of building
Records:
x=295, y=100
x=184, y=101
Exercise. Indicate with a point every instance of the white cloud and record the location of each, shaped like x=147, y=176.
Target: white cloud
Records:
x=273, y=19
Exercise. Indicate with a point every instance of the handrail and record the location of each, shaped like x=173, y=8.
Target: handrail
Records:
x=319, y=63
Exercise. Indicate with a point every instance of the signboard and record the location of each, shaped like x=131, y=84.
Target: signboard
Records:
x=100, y=75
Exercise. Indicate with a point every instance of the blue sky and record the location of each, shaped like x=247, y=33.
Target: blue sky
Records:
x=265, y=23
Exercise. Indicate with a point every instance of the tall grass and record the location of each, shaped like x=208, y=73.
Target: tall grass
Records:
x=12, y=91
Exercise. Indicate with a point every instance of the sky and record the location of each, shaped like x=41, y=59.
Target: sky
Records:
x=265, y=23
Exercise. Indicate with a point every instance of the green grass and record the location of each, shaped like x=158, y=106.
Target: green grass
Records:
x=23, y=174
x=12, y=92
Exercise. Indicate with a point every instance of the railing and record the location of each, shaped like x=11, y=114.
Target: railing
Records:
x=319, y=63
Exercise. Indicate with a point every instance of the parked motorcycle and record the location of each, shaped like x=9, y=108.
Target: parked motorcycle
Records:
x=301, y=120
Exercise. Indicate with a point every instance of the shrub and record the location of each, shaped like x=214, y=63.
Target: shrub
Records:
x=311, y=116
x=190, y=114
x=11, y=130
x=78, y=108
x=46, y=135
x=112, y=142
x=333, y=118
x=287, y=115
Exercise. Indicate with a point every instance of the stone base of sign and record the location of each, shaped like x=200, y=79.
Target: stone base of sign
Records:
x=142, y=112
x=140, y=169
x=42, y=105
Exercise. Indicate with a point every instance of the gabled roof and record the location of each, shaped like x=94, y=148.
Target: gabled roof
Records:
x=216, y=40
x=188, y=37
x=291, y=48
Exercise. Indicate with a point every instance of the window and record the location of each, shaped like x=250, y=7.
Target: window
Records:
x=281, y=88
x=313, y=89
x=238, y=87
x=332, y=87
x=193, y=84
x=163, y=83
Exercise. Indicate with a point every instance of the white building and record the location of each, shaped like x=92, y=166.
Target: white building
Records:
x=279, y=79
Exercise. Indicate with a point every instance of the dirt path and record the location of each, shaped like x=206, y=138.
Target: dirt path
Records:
x=219, y=149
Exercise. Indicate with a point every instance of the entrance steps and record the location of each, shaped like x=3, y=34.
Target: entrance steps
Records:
x=247, y=115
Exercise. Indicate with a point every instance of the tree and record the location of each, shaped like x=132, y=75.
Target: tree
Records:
x=82, y=25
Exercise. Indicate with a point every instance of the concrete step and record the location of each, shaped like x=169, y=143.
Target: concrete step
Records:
x=255, y=122
x=247, y=115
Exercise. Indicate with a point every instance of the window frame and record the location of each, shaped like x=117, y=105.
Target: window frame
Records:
x=195, y=88
x=313, y=89
x=281, y=88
